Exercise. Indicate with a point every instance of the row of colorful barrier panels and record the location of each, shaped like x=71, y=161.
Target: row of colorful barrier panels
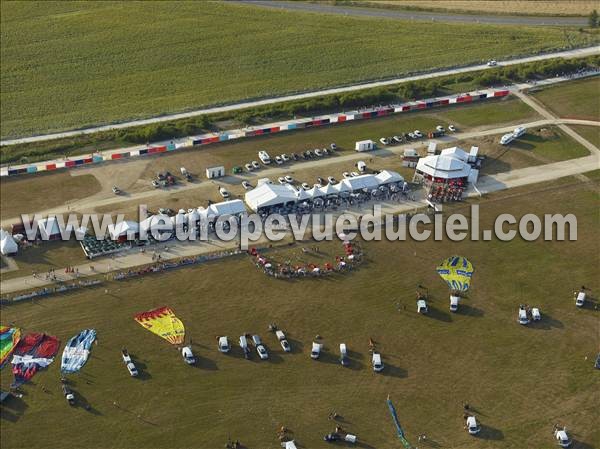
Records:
x=268, y=129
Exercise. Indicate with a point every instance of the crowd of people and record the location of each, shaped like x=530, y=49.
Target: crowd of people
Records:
x=46, y=291
x=352, y=257
x=443, y=193
x=160, y=266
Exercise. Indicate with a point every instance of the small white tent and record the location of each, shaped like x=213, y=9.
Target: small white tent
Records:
x=7, y=244
x=123, y=229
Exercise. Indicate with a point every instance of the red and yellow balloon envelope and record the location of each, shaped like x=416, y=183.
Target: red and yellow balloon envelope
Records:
x=164, y=323
x=9, y=337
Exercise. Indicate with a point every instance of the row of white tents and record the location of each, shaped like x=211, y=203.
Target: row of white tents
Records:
x=270, y=195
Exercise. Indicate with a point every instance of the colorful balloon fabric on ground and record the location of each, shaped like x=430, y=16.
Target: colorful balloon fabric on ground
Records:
x=163, y=322
x=34, y=351
x=77, y=351
x=9, y=338
x=457, y=272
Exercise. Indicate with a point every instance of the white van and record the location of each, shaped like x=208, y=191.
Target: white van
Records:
x=562, y=438
x=518, y=132
x=343, y=354
x=244, y=346
x=473, y=426
x=188, y=355
x=580, y=299
x=224, y=345
x=422, y=306
x=454, y=303
x=523, y=318
x=362, y=166
x=377, y=363
x=316, y=351
x=264, y=157
x=507, y=138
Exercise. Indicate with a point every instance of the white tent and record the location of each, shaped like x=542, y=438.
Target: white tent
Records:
x=7, y=244
x=342, y=187
x=388, y=177
x=123, y=228
x=328, y=190
x=155, y=222
x=179, y=218
x=443, y=166
x=361, y=182
x=456, y=153
x=268, y=195
x=232, y=207
x=315, y=192
x=192, y=215
x=50, y=228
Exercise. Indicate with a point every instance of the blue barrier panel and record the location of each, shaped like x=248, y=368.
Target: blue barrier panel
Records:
x=31, y=169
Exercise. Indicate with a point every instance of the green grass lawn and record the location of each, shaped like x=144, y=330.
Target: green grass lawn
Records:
x=73, y=64
x=590, y=133
x=520, y=380
x=575, y=99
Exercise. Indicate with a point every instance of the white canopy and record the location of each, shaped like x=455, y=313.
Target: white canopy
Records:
x=387, y=177
x=50, y=227
x=328, y=190
x=154, y=221
x=7, y=244
x=267, y=195
x=456, y=153
x=361, y=182
x=443, y=166
x=232, y=207
x=123, y=228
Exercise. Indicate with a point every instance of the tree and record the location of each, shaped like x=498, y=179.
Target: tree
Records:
x=593, y=19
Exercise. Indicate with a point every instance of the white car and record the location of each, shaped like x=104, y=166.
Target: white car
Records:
x=283, y=341
x=536, y=315
x=523, y=318
x=362, y=166
x=260, y=348
x=188, y=355
x=346, y=175
x=397, y=139
x=288, y=179
x=224, y=346
x=418, y=134
x=440, y=128
x=155, y=184
x=244, y=346
x=116, y=190
x=412, y=135
x=264, y=157
x=246, y=185
x=562, y=438
x=249, y=167
x=281, y=180
x=255, y=165
x=305, y=186
x=492, y=63
x=452, y=128
x=333, y=147
x=278, y=160
x=331, y=180
x=376, y=362
x=224, y=192
x=454, y=303
x=133, y=372
x=473, y=426
x=384, y=141
x=344, y=355
x=316, y=351
x=325, y=152
x=318, y=152
x=285, y=157
x=580, y=299
x=422, y=306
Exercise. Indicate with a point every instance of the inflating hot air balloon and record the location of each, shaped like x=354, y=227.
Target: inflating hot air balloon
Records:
x=9, y=337
x=163, y=322
x=77, y=351
x=33, y=352
x=457, y=272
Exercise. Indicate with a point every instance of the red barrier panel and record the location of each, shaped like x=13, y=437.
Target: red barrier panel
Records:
x=421, y=105
x=69, y=163
x=366, y=115
x=51, y=167
x=465, y=99
x=406, y=108
x=88, y=160
x=341, y=118
x=446, y=101
x=275, y=129
x=162, y=149
x=116, y=156
x=501, y=93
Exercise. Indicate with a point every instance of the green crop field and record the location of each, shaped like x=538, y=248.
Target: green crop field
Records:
x=519, y=380
x=73, y=64
x=575, y=99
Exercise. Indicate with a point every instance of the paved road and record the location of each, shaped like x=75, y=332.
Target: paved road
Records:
x=577, y=53
x=419, y=15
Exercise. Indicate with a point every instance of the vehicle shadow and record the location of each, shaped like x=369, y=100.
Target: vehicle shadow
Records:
x=82, y=402
x=13, y=408
x=296, y=345
x=475, y=312
x=437, y=314
x=205, y=363
x=142, y=368
x=394, y=371
x=491, y=433
x=546, y=323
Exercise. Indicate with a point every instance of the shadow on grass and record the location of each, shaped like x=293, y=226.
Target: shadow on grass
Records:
x=491, y=433
x=439, y=315
x=471, y=311
x=582, y=445
x=393, y=371
x=205, y=364
x=82, y=402
x=546, y=323
x=142, y=368
x=12, y=409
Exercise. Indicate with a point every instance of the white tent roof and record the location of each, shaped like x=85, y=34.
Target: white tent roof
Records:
x=122, y=228
x=387, y=177
x=328, y=190
x=443, y=166
x=192, y=215
x=267, y=195
x=233, y=207
x=154, y=221
x=361, y=182
x=50, y=226
x=7, y=243
x=457, y=153
x=341, y=187
x=315, y=192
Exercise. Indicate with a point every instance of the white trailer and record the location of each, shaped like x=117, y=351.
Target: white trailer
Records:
x=365, y=145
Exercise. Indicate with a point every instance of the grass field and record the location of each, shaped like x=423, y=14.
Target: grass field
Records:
x=520, y=380
x=591, y=133
x=577, y=99
x=72, y=64
x=520, y=7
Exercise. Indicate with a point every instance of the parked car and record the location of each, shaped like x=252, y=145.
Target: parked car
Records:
x=281, y=180
x=454, y=303
x=285, y=157
x=260, y=348
x=236, y=170
x=69, y=395
x=523, y=318
x=188, y=355
x=321, y=181
x=249, y=167
x=305, y=186
x=318, y=152
x=244, y=346
x=422, y=306
x=580, y=298
x=283, y=341
x=133, y=372
x=562, y=438
x=492, y=63
x=116, y=190
x=412, y=136
x=536, y=314
x=315, y=351
x=264, y=157
x=362, y=166
x=224, y=192
x=255, y=165
x=473, y=426
x=294, y=156
x=418, y=134
x=288, y=179
x=333, y=147
x=377, y=363
x=452, y=128
x=354, y=174
x=155, y=184
x=331, y=180
x=346, y=175
x=223, y=345
x=385, y=140
x=398, y=139
x=440, y=128
x=344, y=355
x=325, y=152
x=246, y=185
x=278, y=160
